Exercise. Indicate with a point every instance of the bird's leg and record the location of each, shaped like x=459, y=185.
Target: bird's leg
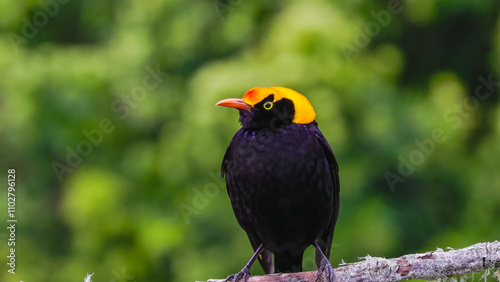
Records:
x=325, y=265
x=245, y=272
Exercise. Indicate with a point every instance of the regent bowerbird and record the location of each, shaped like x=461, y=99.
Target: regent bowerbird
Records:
x=282, y=180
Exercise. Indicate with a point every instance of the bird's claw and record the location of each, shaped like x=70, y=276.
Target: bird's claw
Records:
x=326, y=266
x=244, y=273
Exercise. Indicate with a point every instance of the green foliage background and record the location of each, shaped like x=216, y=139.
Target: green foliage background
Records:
x=147, y=203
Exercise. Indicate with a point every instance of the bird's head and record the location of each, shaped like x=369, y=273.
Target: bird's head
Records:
x=271, y=107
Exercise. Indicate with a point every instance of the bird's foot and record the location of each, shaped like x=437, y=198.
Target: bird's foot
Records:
x=326, y=266
x=243, y=274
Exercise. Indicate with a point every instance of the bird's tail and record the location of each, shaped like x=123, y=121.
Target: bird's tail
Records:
x=287, y=263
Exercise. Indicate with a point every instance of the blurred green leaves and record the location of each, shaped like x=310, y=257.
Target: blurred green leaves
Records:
x=117, y=212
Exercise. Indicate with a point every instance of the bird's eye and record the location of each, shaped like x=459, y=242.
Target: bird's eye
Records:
x=268, y=105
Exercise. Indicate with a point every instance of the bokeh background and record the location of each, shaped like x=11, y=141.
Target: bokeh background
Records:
x=107, y=114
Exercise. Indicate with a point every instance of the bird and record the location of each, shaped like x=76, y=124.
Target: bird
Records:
x=282, y=179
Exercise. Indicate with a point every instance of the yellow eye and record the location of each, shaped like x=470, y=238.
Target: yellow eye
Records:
x=268, y=105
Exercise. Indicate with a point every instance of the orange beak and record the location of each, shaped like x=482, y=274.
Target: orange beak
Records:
x=234, y=103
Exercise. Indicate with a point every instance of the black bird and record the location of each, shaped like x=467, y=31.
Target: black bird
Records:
x=282, y=180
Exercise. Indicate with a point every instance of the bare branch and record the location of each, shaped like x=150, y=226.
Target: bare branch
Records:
x=431, y=265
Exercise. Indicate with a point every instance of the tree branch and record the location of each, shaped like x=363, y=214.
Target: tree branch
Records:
x=431, y=265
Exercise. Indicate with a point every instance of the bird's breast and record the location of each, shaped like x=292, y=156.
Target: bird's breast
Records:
x=283, y=185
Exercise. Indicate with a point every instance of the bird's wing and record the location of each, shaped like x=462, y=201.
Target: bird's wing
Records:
x=225, y=161
x=265, y=258
x=325, y=240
